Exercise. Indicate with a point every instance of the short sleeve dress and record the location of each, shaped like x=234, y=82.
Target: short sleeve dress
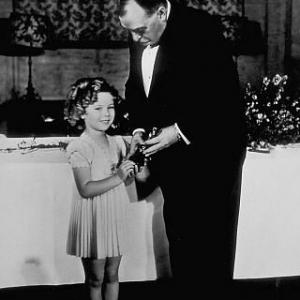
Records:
x=97, y=224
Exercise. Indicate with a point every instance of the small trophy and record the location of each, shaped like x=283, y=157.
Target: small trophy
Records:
x=138, y=157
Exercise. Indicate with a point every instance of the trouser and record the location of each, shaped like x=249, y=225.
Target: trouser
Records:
x=202, y=236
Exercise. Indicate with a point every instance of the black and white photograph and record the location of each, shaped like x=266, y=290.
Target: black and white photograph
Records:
x=149, y=149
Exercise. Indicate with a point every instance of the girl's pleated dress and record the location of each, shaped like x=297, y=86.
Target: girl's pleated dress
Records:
x=97, y=225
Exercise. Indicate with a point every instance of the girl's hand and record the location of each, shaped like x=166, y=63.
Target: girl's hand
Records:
x=126, y=169
x=142, y=174
x=136, y=141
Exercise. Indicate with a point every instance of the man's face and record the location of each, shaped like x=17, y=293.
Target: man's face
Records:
x=144, y=29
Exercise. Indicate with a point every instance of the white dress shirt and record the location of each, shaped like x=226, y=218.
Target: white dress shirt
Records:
x=148, y=60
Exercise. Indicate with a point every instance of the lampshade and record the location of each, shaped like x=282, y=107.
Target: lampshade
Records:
x=29, y=30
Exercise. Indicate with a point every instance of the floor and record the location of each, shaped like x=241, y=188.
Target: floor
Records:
x=132, y=291
x=287, y=289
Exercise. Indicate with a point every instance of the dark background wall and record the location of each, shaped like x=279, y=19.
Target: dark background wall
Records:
x=55, y=70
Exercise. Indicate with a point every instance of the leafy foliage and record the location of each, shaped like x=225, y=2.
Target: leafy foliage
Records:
x=272, y=113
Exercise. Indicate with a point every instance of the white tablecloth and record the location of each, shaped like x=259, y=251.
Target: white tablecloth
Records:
x=36, y=191
x=268, y=240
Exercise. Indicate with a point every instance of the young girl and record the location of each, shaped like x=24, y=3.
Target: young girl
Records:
x=96, y=230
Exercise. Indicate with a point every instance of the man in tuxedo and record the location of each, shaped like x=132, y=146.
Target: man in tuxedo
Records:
x=183, y=81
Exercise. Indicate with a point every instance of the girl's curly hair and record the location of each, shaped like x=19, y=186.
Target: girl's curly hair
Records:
x=84, y=93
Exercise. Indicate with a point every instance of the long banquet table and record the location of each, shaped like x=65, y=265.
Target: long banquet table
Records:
x=268, y=238
x=37, y=186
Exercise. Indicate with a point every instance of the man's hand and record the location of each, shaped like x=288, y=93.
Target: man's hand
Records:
x=166, y=137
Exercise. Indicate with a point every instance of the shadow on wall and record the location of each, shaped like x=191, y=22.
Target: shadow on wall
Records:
x=39, y=118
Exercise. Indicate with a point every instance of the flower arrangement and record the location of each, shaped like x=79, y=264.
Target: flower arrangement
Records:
x=272, y=114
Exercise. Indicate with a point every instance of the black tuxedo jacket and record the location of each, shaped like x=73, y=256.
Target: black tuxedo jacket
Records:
x=195, y=84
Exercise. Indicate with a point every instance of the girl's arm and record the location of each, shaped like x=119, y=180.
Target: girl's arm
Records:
x=127, y=139
x=88, y=188
x=143, y=173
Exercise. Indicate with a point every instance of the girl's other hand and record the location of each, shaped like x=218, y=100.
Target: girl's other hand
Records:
x=126, y=169
x=142, y=174
x=136, y=141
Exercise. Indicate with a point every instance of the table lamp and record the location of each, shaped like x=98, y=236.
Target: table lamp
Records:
x=29, y=31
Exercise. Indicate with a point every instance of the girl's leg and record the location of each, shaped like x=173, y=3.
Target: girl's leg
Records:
x=111, y=278
x=94, y=276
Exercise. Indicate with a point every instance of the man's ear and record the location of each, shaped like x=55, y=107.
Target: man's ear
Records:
x=162, y=13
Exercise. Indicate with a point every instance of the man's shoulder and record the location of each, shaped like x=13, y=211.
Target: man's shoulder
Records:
x=191, y=13
x=193, y=21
